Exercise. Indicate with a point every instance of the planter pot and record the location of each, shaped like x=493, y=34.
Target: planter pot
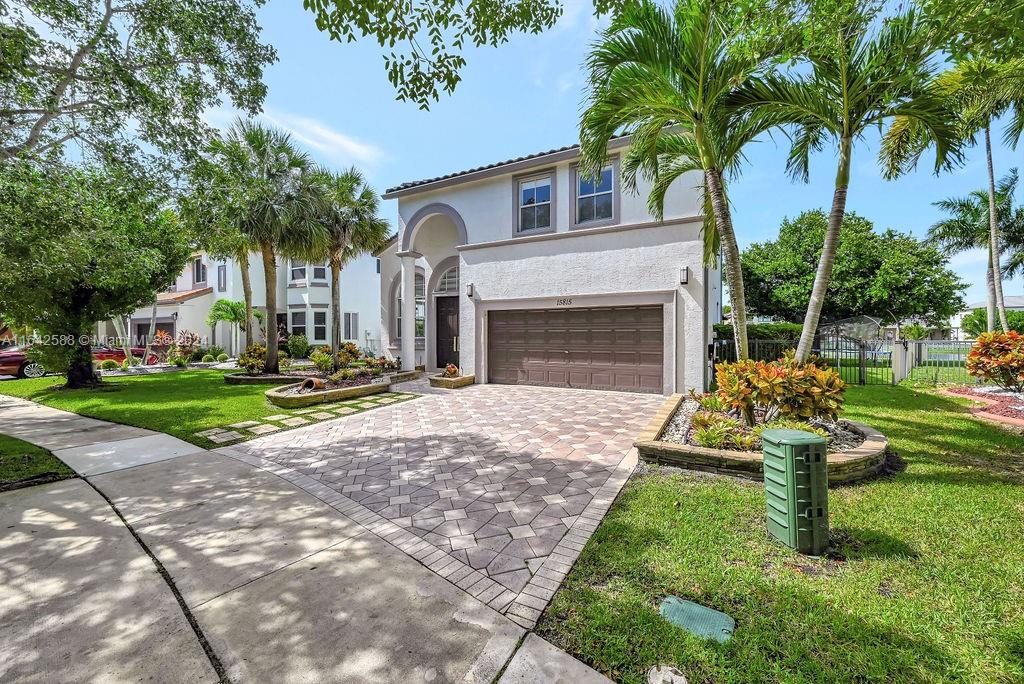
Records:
x=279, y=397
x=844, y=466
x=451, y=383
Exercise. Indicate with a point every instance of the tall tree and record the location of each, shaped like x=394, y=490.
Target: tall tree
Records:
x=884, y=274
x=81, y=245
x=860, y=77
x=347, y=208
x=126, y=80
x=666, y=78
x=967, y=227
x=983, y=91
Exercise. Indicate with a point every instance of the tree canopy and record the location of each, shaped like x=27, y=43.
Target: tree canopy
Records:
x=125, y=79
x=975, y=323
x=888, y=275
x=80, y=245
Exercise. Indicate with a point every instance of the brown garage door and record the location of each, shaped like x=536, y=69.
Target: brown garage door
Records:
x=599, y=348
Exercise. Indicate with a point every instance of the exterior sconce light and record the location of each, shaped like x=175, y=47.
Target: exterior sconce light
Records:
x=469, y=290
x=174, y=316
x=684, y=275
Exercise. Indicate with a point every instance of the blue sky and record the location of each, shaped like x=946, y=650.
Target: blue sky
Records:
x=525, y=97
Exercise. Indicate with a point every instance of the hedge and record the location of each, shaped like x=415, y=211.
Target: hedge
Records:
x=785, y=332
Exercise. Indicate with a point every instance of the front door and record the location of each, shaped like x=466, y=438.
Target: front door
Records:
x=447, y=331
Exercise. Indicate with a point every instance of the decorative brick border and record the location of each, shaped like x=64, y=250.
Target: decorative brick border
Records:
x=1005, y=421
x=524, y=608
x=451, y=383
x=845, y=466
x=279, y=396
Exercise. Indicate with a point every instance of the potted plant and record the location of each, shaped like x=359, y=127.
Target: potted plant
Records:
x=451, y=378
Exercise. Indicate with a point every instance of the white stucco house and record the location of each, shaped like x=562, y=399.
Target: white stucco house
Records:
x=524, y=272
x=1012, y=303
x=303, y=301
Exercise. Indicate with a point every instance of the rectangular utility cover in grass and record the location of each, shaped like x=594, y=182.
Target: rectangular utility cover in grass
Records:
x=796, y=489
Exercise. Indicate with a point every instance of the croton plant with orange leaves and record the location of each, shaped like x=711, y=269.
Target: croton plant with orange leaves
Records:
x=999, y=358
x=762, y=391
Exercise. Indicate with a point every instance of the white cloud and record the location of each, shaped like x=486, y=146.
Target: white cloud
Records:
x=325, y=142
x=972, y=257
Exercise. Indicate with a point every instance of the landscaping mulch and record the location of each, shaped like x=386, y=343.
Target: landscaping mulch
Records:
x=998, y=401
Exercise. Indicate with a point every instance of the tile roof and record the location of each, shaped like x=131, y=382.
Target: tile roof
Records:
x=495, y=165
x=183, y=296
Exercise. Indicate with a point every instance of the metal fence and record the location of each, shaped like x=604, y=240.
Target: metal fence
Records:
x=866, y=362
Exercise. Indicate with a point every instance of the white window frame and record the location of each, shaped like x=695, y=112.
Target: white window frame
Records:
x=420, y=295
x=350, y=327
x=293, y=327
x=319, y=267
x=444, y=286
x=198, y=265
x=297, y=266
x=549, y=176
x=316, y=326
x=222, y=277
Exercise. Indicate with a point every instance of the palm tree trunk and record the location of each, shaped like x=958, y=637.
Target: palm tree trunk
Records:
x=270, y=276
x=993, y=228
x=335, y=307
x=828, y=253
x=733, y=272
x=149, y=337
x=243, y=264
x=990, y=281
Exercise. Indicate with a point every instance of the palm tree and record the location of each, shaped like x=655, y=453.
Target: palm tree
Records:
x=983, y=91
x=666, y=79
x=348, y=210
x=967, y=227
x=861, y=79
x=238, y=314
x=276, y=203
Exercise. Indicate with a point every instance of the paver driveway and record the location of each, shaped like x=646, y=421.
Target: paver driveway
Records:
x=492, y=476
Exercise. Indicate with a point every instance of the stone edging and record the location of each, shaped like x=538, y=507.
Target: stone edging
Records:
x=845, y=466
x=524, y=608
x=451, y=383
x=1005, y=421
x=278, y=397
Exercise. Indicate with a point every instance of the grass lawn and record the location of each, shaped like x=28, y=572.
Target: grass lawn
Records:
x=927, y=584
x=20, y=461
x=179, y=404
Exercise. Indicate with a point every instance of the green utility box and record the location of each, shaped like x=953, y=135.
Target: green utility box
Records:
x=796, y=489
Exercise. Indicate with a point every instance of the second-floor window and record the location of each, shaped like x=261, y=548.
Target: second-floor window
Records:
x=298, y=270
x=535, y=204
x=595, y=197
x=198, y=271
x=319, y=272
x=222, y=278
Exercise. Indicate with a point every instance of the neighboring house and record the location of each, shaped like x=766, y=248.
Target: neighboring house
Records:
x=1012, y=303
x=524, y=272
x=303, y=301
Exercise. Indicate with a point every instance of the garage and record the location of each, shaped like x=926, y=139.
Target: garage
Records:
x=605, y=348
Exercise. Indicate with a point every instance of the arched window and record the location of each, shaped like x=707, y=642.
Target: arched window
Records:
x=421, y=308
x=448, y=283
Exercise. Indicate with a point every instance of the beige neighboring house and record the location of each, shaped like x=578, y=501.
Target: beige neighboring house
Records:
x=525, y=272
x=303, y=302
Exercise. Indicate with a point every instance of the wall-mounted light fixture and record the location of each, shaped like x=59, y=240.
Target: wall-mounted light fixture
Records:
x=684, y=275
x=469, y=290
x=174, y=316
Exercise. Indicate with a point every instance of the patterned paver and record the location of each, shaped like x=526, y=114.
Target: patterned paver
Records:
x=502, y=483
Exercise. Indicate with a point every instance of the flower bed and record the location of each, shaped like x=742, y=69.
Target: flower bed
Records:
x=293, y=396
x=665, y=441
x=1000, y=405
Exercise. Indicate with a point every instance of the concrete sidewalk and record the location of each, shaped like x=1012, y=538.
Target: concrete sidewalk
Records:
x=283, y=586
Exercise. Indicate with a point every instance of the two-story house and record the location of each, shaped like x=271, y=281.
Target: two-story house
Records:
x=527, y=272
x=303, y=301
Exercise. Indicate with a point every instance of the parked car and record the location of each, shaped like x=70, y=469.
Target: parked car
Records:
x=14, y=360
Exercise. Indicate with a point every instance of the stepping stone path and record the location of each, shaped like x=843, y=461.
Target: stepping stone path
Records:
x=248, y=429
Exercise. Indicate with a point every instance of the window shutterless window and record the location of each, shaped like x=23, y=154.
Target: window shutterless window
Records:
x=421, y=308
x=320, y=272
x=198, y=271
x=535, y=204
x=595, y=197
x=298, y=270
x=320, y=326
x=351, y=321
x=298, y=323
x=222, y=278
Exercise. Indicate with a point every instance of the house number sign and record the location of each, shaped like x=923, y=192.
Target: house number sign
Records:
x=566, y=301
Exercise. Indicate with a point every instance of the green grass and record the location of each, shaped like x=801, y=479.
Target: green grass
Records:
x=931, y=588
x=179, y=404
x=20, y=461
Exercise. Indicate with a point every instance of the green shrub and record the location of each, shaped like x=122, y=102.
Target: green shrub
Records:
x=352, y=349
x=999, y=358
x=254, y=360
x=214, y=350
x=208, y=358
x=712, y=436
x=915, y=331
x=125, y=365
x=109, y=364
x=323, y=362
x=976, y=322
x=343, y=375
x=709, y=402
x=298, y=346
x=780, y=389
x=783, y=332
x=180, y=361
x=221, y=358
x=345, y=359
x=789, y=424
